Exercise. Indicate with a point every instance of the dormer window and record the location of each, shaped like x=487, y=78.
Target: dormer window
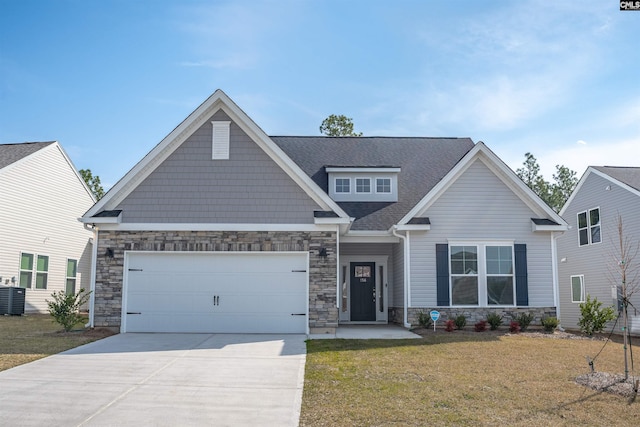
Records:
x=383, y=185
x=343, y=185
x=363, y=184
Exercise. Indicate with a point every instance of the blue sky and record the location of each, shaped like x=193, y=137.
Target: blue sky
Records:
x=109, y=79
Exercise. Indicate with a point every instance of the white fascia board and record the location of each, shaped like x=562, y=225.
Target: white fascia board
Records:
x=361, y=170
x=332, y=220
x=73, y=168
x=413, y=227
x=135, y=226
x=101, y=220
x=496, y=165
x=219, y=100
x=591, y=170
x=368, y=237
x=536, y=227
x=578, y=186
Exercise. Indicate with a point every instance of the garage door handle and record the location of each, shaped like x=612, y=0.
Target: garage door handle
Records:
x=133, y=312
x=298, y=314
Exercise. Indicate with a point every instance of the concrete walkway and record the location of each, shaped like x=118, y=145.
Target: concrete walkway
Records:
x=161, y=380
x=367, y=332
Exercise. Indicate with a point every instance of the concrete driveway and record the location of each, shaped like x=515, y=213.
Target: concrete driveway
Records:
x=161, y=380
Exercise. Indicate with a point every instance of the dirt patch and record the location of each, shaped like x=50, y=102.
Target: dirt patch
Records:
x=610, y=383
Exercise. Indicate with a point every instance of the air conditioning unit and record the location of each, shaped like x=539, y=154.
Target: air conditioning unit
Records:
x=12, y=300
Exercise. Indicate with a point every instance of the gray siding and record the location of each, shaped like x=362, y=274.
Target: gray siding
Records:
x=479, y=206
x=596, y=262
x=190, y=187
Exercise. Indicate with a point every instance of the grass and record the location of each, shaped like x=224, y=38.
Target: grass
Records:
x=30, y=337
x=465, y=379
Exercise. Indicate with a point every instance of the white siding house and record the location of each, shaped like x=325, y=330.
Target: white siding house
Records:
x=44, y=247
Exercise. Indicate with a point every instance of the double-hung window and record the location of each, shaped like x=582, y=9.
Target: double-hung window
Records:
x=482, y=274
x=589, y=227
x=72, y=271
x=30, y=264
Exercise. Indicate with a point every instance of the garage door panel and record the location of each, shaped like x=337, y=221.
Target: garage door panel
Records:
x=177, y=292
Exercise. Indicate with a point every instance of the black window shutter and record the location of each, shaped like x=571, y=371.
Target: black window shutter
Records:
x=522, y=285
x=442, y=274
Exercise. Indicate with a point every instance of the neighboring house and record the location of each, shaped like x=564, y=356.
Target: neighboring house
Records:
x=221, y=228
x=589, y=252
x=44, y=247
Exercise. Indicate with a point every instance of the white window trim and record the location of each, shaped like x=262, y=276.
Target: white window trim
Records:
x=390, y=185
x=482, y=271
x=589, y=226
x=335, y=185
x=34, y=270
x=582, y=288
x=220, y=140
x=356, y=185
x=66, y=277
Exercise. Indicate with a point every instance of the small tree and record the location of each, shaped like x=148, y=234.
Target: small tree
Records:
x=65, y=308
x=338, y=126
x=93, y=182
x=593, y=317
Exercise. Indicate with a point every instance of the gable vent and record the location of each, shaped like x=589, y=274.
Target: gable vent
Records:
x=220, y=142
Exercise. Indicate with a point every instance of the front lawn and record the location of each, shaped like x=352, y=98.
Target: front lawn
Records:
x=34, y=336
x=462, y=379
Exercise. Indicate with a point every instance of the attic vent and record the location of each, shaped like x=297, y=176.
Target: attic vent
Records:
x=220, y=142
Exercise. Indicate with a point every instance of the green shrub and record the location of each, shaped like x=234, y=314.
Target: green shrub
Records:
x=494, y=320
x=550, y=324
x=593, y=317
x=460, y=322
x=524, y=319
x=424, y=320
x=64, y=308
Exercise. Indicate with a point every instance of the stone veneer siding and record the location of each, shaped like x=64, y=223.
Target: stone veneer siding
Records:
x=323, y=314
x=473, y=315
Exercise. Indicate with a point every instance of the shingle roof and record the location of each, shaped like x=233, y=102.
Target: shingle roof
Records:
x=626, y=175
x=423, y=162
x=11, y=153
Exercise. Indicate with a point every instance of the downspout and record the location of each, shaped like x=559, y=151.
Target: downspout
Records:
x=554, y=268
x=338, y=270
x=94, y=258
x=406, y=286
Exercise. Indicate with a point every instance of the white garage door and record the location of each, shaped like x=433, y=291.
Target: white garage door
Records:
x=215, y=293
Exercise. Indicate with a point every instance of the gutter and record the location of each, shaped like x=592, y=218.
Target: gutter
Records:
x=406, y=257
x=554, y=269
x=94, y=258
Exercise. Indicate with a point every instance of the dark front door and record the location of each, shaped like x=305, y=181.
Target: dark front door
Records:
x=363, y=291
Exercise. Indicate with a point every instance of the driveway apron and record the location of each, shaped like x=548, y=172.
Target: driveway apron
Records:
x=161, y=380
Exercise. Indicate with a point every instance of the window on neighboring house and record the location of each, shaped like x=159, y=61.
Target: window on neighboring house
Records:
x=26, y=270
x=589, y=227
x=343, y=185
x=577, y=288
x=383, y=185
x=42, y=271
x=72, y=271
x=482, y=275
x=363, y=185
